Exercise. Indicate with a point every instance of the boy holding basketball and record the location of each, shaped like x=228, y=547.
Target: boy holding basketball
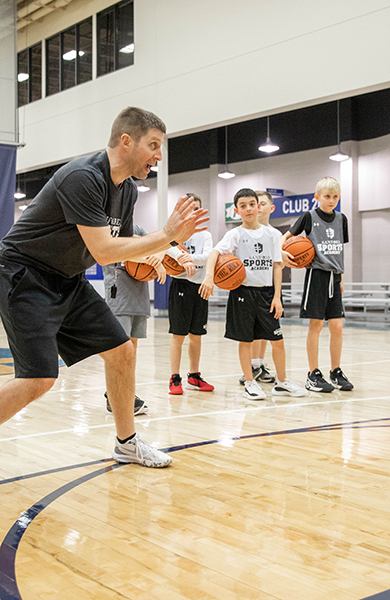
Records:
x=323, y=288
x=188, y=312
x=255, y=307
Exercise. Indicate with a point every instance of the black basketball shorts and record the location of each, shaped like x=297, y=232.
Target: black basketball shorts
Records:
x=248, y=317
x=46, y=315
x=322, y=298
x=188, y=312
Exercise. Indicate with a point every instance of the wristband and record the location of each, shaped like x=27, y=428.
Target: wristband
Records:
x=174, y=243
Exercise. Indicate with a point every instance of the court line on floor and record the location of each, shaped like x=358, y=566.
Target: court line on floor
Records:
x=204, y=414
x=9, y=589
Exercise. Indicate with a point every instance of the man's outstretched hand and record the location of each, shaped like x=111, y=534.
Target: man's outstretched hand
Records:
x=185, y=221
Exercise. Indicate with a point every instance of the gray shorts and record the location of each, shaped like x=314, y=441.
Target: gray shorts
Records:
x=134, y=325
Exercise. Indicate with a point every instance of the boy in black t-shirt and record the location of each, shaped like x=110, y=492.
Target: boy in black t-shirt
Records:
x=323, y=288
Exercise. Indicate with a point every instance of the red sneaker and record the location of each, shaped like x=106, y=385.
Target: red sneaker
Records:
x=195, y=382
x=175, y=385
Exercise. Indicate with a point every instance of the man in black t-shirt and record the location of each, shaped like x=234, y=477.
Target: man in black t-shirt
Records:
x=83, y=215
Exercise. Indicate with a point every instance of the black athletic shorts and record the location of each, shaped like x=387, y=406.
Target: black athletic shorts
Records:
x=45, y=314
x=248, y=317
x=188, y=312
x=322, y=298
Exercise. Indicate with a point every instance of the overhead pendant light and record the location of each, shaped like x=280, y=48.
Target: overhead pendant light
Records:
x=338, y=156
x=269, y=146
x=143, y=187
x=226, y=174
x=19, y=195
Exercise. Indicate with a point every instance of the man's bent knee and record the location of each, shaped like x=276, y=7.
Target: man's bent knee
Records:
x=123, y=353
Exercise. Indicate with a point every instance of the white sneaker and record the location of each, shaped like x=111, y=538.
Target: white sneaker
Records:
x=253, y=391
x=288, y=388
x=138, y=451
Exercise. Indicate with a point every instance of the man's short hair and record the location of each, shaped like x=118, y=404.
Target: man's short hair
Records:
x=244, y=193
x=136, y=122
x=261, y=193
x=196, y=198
x=329, y=184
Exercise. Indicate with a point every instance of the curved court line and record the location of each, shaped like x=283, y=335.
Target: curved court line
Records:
x=8, y=585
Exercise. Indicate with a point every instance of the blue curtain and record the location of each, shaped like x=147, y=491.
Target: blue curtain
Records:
x=7, y=187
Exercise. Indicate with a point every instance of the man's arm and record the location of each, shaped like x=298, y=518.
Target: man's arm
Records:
x=182, y=223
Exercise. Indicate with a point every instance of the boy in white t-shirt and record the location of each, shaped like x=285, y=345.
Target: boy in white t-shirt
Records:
x=255, y=307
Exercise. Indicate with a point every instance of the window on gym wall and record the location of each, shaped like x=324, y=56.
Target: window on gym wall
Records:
x=69, y=57
x=30, y=74
x=115, y=37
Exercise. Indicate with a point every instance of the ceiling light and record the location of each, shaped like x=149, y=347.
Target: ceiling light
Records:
x=23, y=77
x=339, y=155
x=143, y=188
x=226, y=173
x=19, y=195
x=127, y=49
x=268, y=146
x=71, y=55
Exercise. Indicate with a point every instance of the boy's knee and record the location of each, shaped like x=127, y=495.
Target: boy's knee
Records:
x=335, y=326
x=316, y=325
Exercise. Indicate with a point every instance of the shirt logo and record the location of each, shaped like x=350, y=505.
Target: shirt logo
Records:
x=258, y=247
x=181, y=293
x=240, y=299
x=115, y=225
x=330, y=233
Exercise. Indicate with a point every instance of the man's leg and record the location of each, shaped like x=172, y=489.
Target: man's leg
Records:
x=18, y=393
x=119, y=364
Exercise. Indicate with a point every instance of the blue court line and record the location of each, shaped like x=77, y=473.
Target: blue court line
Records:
x=8, y=585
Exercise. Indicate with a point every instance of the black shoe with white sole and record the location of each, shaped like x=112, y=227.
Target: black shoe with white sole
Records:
x=340, y=380
x=139, y=406
x=316, y=383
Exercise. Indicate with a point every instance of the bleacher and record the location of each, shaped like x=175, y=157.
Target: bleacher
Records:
x=362, y=300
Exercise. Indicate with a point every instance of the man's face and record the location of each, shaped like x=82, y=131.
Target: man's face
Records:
x=145, y=153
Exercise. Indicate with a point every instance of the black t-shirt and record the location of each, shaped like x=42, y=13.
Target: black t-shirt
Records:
x=304, y=223
x=80, y=193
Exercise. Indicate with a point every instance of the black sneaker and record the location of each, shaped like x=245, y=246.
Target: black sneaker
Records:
x=263, y=375
x=340, y=381
x=139, y=406
x=260, y=374
x=316, y=383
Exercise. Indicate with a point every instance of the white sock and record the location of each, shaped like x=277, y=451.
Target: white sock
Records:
x=256, y=362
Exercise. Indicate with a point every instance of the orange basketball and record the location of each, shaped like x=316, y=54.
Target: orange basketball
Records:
x=140, y=271
x=171, y=265
x=229, y=272
x=301, y=248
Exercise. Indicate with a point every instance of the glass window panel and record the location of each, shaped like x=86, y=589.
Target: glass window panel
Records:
x=53, y=65
x=105, y=35
x=23, y=78
x=68, y=58
x=35, y=72
x=125, y=35
x=84, y=64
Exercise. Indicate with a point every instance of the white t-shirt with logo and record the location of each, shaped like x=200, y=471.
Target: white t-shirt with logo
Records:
x=257, y=248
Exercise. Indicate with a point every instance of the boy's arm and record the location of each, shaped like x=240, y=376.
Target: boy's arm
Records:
x=207, y=286
x=276, y=304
